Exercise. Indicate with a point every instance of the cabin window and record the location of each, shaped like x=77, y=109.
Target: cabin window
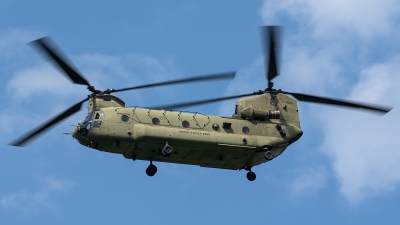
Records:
x=155, y=121
x=125, y=118
x=226, y=125
x=246, y=130
x=185, y=124
x=215, y=127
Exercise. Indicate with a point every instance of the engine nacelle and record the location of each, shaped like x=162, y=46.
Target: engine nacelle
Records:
x=251, y=112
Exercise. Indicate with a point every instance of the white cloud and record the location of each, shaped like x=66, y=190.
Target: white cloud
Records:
x=334, y=44
x=100, y=70
x=307, y=70
x=308, y=181
x=32, y=203
x=366, y=18
x=30, y=78
x=364, y=147
x=13, y=42
x=379, y=82
x=42, y=79
x=133, y=68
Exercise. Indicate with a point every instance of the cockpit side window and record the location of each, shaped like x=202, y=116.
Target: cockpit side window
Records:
x=98, y=119
x=98, y=115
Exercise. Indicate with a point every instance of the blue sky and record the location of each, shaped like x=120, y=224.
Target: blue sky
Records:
x=344, y=170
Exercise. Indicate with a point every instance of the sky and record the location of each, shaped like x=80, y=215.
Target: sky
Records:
x=344, y=170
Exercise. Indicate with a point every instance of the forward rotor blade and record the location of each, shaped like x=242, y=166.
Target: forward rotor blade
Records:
x=201, y=102
x=269, y=36
x=32, y=134
x=331, y=101
x=45, y=45
x=219, y=76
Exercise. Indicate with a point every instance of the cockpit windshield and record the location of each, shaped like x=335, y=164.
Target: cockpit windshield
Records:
x=84, y=127
x=88, y=117
x=92, y=120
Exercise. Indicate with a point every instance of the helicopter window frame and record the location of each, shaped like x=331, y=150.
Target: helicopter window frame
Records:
x=155, y=121
x=99, y=115
x=246, y=130
x=125, y=118
x=185, y=124
x=226, y=125
x=215, y=127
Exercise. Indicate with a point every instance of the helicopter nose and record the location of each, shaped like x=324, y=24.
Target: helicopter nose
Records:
x=74, y=132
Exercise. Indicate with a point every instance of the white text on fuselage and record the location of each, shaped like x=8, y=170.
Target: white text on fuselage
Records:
x=193, y=132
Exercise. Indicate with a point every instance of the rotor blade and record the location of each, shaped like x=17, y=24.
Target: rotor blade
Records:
x=270, y=34
x=201, y=102
x=32, y=134
x=218, y=76
x=331, y=101
x=45, y=45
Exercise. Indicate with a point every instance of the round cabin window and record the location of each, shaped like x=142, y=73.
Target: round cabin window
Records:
x=155, y=121
x=185, y=124
x=125, y=118
x=246, y=130
x=215, y=127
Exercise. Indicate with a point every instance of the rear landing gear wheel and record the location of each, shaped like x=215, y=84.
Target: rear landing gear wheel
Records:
x=151, y=170
x=251, y=176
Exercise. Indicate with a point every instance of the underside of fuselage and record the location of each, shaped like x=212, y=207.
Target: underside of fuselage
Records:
x=229, y=152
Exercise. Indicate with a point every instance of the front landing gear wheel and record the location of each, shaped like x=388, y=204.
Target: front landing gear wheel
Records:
x=151, y=170
x=251, y=176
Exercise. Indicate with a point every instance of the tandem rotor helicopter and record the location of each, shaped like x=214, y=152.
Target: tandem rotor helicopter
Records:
x=264, y=124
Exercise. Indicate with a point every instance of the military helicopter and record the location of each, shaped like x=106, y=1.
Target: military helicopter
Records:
x=264, y=124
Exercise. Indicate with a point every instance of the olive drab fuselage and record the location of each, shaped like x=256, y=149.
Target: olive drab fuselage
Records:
x=266, y=122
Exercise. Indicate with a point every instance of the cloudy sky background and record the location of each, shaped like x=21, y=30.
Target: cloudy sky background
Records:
x=344, y=170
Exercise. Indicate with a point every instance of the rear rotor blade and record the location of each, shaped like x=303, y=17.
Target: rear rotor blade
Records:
x=331, y=101
x=45, y=45
x=200, y=102
x=32, y=134
x=219, y=76
x=270, y=34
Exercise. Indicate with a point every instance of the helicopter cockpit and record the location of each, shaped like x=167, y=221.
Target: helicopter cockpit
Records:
x=93, y=119
x=84, y=127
